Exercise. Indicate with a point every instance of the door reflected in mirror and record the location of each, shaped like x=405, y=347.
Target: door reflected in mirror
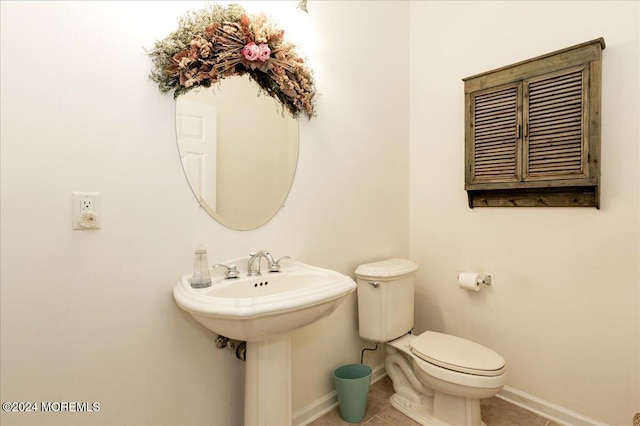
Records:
x=238, y=151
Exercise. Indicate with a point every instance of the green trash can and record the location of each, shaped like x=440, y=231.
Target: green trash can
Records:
x=352, y=385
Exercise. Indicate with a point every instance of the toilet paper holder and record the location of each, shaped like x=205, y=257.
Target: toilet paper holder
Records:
x=485, y=279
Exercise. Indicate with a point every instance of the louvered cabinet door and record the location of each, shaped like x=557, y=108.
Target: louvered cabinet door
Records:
x=555, y=119
x=495, y=129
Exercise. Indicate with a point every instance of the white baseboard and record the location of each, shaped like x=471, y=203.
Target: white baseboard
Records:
x=322, y=406
x=543, y=408
x=546, y=409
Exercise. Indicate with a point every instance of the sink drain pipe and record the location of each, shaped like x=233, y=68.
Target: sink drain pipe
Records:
x=237, y=346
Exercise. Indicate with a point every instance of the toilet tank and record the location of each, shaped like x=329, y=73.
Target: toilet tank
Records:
x=385, y=299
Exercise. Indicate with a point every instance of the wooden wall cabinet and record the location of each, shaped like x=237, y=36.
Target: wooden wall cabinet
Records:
x=532, y=131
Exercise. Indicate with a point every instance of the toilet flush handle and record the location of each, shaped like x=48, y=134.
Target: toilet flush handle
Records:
x=375, y=284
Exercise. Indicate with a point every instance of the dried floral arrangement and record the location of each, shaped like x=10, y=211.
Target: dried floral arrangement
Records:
x=218, y=42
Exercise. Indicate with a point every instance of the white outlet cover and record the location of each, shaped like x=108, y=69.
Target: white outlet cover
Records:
x=79, y=219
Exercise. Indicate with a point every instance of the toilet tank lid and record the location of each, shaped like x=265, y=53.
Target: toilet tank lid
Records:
x=388, y=268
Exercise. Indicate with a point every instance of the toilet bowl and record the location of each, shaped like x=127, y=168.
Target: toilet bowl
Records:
x=438, y=378
x=446, y=389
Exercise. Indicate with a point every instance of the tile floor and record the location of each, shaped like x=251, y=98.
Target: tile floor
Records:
x=495, y=412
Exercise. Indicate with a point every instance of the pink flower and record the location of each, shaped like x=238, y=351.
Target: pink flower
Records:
x=264, y=52
x=251, y=51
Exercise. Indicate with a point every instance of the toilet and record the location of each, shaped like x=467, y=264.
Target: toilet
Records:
x=438, y=379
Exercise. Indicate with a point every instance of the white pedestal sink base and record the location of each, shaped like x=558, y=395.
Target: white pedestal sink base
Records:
x=267, y=395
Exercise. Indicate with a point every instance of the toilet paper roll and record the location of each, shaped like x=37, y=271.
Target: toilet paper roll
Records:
x=469, y=281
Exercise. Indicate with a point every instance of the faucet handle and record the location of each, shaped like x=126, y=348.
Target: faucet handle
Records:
x=275, y=266
x=232, y=271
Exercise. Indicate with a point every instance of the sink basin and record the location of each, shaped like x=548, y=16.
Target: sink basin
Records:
x=262, y=307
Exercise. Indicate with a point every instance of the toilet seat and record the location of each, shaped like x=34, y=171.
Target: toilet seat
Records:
x=436, y=376
x=457, y=354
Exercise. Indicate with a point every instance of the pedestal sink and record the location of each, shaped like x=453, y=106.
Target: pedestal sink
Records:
x=263, y=310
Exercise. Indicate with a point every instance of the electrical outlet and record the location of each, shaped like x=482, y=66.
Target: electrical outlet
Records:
x=85, y=214
x=86, y=205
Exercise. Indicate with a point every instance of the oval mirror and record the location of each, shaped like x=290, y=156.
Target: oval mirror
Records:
x=238, y=151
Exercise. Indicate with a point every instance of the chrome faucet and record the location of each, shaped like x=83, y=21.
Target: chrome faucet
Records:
x=256, y=257
x=274, y=265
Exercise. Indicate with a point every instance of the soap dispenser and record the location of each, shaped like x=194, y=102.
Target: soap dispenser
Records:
x=200, y=277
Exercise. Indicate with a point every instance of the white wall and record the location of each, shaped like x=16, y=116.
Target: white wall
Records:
x=563, y=307
x=88, y=315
